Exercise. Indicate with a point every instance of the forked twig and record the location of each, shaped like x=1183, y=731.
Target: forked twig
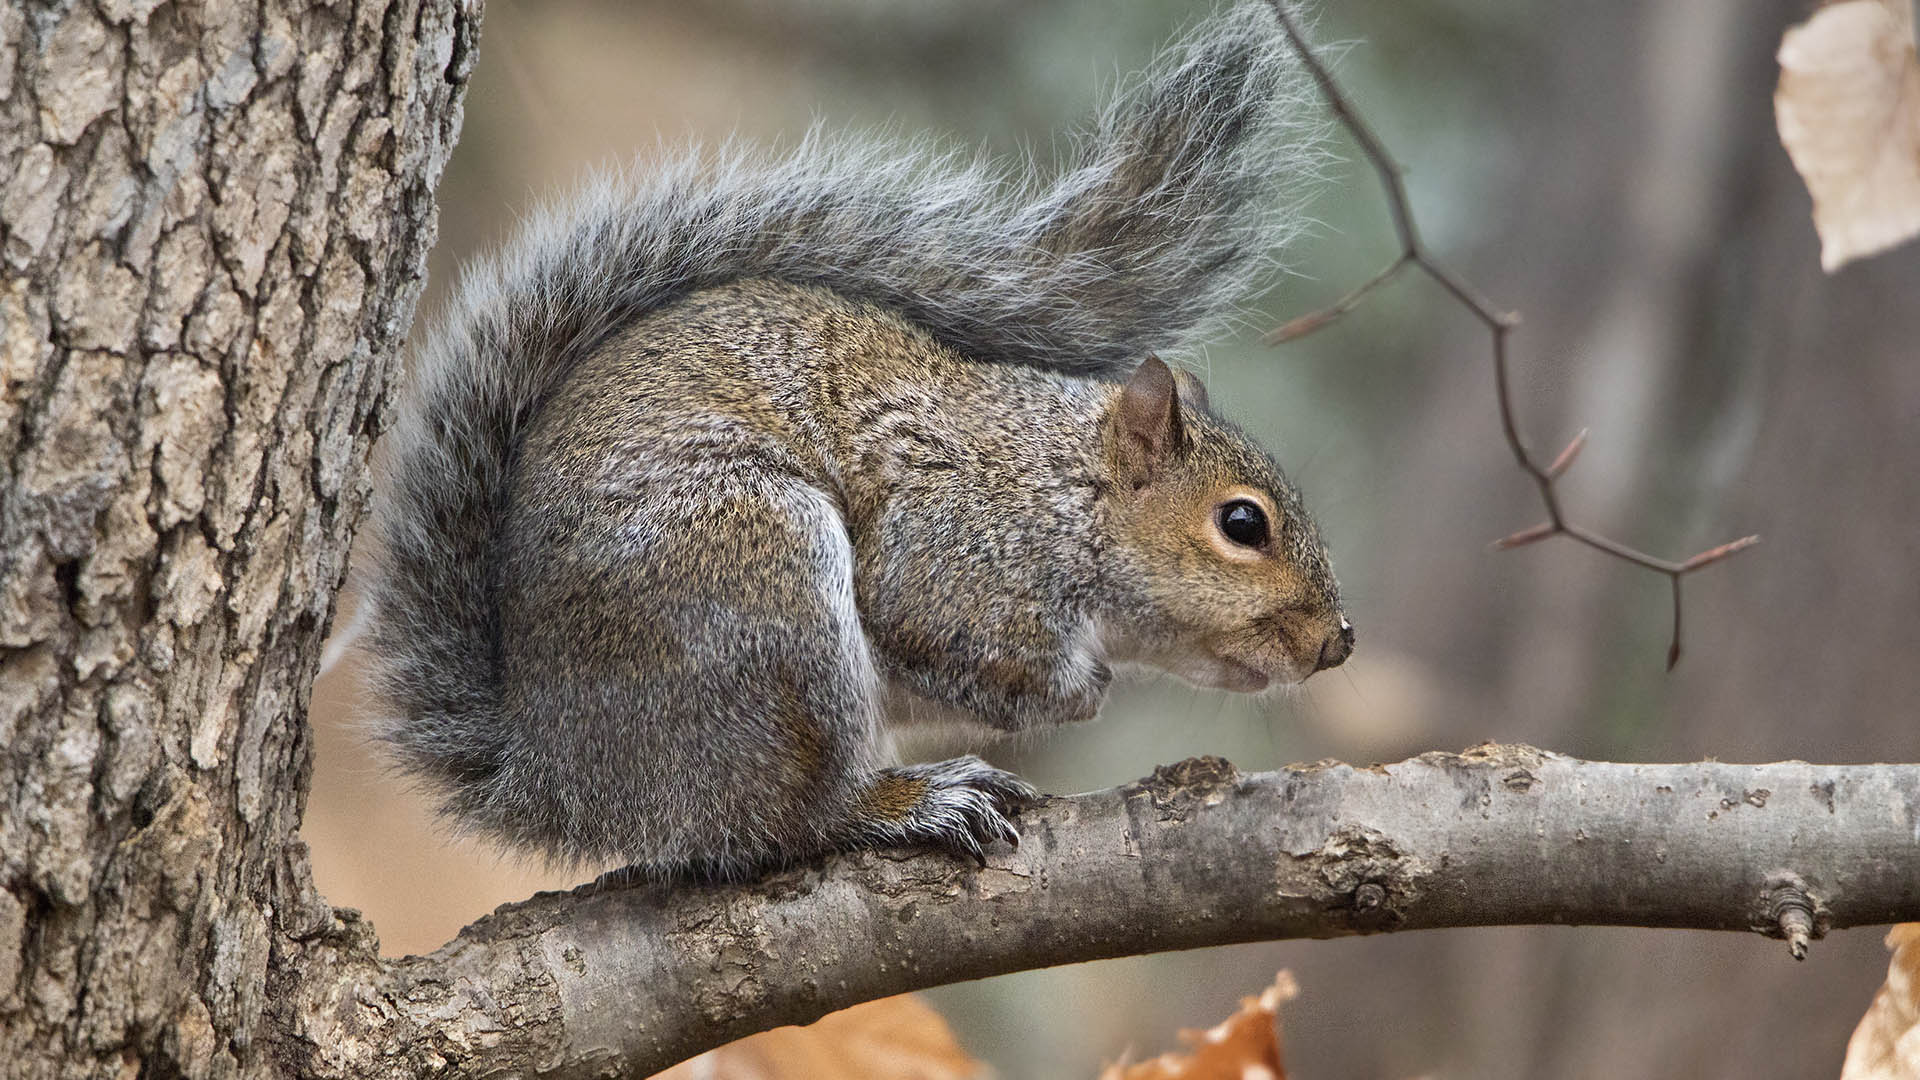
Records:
x=1498, y=323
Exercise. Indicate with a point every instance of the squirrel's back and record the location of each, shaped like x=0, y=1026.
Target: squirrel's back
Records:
x=1164, y=217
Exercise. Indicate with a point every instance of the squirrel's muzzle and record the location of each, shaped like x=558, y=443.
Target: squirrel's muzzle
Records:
x=1337, y=646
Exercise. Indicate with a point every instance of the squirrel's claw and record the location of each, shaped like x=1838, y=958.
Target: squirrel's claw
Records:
x=966, y=805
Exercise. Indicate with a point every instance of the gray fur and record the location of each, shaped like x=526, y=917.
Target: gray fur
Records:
x=530, y=725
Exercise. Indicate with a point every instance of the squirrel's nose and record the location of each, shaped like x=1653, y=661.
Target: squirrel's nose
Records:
x=1336, y=648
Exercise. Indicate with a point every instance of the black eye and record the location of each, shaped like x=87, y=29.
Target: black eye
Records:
x=1244, y=523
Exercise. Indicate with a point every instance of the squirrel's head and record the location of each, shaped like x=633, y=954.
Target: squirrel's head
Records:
x=1228, y=583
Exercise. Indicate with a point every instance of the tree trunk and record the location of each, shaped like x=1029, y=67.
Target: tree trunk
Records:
x=215, y=218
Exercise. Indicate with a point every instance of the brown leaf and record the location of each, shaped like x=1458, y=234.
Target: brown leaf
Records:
x=896, y=1038
x=1246, y=1046
x=1886, y=1045
x=1848, y=110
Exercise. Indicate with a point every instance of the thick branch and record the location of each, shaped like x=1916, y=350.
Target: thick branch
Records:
x=615, y=978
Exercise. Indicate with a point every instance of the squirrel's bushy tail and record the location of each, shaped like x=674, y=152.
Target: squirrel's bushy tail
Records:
x=1166, y=215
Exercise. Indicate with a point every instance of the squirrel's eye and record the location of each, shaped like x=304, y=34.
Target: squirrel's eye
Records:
x=1244, y=523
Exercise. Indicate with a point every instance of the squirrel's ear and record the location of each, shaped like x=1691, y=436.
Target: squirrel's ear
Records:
x=1149, y=419
x=1192, y=390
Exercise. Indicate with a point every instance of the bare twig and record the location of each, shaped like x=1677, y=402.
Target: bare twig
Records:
x=1307, y=324
x=1498, y=323
x=619, y=979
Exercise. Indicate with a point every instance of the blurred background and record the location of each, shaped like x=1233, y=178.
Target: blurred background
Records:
x=1611, y=171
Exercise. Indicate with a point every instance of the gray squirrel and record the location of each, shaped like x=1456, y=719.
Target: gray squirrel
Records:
x=714, y=476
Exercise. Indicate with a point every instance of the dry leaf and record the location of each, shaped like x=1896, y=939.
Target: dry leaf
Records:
x=1848, y=109
x=896, y=1038
x=1246, y=1046
x=1886, y=1045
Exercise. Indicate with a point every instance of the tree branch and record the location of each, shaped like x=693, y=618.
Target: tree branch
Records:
x=1500, y=324
x=618, y=978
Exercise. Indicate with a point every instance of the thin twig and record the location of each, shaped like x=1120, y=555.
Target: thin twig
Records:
x=1307, y=324
x=1499, y=325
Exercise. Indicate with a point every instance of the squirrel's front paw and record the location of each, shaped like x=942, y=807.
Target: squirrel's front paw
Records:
x=960, y=805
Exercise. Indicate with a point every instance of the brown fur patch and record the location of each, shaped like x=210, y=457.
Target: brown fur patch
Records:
x=806, y=745
x=893, y=797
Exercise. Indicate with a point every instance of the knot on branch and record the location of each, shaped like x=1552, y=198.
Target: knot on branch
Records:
x=1177, y=790
x=1789, y=910
x=1517, y=755
x=1369, y=903
x=1360, y=872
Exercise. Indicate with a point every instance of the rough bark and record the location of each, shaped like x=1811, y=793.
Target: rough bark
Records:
x=213, y=224
x=615, y=979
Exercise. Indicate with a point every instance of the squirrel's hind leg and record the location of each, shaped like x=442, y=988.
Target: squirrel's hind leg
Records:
x=713, y=687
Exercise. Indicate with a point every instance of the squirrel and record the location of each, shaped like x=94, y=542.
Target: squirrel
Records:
x=714, y=476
